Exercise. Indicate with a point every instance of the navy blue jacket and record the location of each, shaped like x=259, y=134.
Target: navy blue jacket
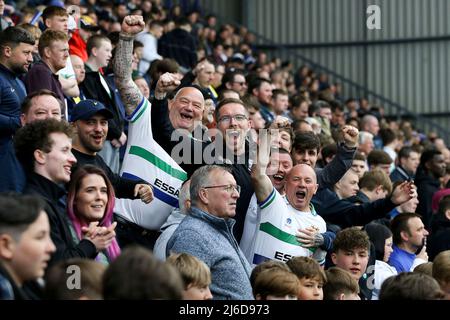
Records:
x=427, y=185
x=400, y=174
x=12, y=93
x=439, y=240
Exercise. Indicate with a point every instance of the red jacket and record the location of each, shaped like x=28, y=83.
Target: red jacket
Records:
x=77, y=46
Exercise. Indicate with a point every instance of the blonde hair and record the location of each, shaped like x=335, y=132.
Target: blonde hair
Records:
x=193, y=271
x=48, y=37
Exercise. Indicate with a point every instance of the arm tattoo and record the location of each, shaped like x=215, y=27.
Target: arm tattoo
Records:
x=129, y=92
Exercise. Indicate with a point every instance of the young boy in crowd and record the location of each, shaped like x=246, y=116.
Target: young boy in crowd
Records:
x=340, y=285
x=351, y=253
x=276, y=284
x=195, y=274
x=25, y=245
x=311, y=276
x=266, y=265
x=359, y=164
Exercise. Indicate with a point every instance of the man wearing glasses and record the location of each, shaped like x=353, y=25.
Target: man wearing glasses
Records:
x=182, y=116
x=206, y=232
x=233, y=123
x=235, y=80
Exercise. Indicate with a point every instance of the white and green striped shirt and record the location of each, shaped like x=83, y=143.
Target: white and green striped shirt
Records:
x=145, y=159
x=275, y=239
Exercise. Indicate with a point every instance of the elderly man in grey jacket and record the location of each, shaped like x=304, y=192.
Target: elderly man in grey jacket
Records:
x=206, y=233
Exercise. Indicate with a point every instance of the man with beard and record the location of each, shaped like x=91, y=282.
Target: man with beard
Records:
x=98, y=87
x=16, y=47
x=90, y=123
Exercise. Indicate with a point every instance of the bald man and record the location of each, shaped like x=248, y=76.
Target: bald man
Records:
x=282, y=218
x=371, y=124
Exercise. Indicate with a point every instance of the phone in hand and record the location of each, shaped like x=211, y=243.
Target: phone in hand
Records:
x=424, y=243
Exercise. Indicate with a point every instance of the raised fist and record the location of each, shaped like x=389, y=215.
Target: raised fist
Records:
x=166, y=83
x=350, y=136
x=132, y=25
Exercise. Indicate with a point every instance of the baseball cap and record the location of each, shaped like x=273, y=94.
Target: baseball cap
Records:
x=87, y=23
x=238, y=57
x=86, y=109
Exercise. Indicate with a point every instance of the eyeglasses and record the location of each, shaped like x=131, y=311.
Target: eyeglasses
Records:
x=227, y=187
x=238, y=117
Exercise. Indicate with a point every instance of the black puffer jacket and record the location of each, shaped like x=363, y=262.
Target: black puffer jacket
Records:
x=427, y=185
x=439, y=240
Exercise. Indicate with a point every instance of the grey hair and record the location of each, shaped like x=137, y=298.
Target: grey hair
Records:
x=201, y=178
x=367, y=119
x=364, y=136
x=183, y=196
